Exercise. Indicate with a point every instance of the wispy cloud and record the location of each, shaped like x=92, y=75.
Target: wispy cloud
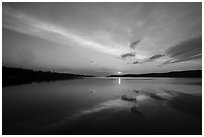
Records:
x=136, y=62
x=184, y=51
x=199, y=56
x=23, y=23
x=150, y=59
x=128, y=55
x=155, y=57
x=134, y=44
x=187, y=50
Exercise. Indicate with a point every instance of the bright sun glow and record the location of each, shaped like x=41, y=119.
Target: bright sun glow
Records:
x=119, y=72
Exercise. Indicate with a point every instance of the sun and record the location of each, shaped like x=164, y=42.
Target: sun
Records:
x=119, y=72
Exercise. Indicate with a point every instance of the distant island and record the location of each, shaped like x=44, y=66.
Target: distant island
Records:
x=15, y=76
x=177, y=74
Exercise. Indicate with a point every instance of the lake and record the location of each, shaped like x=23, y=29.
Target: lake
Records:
x=104, y=106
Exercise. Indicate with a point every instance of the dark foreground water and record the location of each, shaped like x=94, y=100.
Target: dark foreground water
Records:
x=104, y=106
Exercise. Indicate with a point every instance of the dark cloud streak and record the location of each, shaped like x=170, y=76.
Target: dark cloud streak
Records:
x=155, y=57
x=150, y=59
x=183, y=60
x=134, y=44
x=136, y=62
x=127, y=55
x=187, y=50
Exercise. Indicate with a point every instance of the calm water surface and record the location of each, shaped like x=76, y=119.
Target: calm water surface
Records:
x=104, y=106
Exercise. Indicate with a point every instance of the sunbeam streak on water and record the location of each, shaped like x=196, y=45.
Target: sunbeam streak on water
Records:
x=119, y=80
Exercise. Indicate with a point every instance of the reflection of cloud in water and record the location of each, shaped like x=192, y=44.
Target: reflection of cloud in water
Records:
x=159, y=96
x=183, y=102
x=136, y=91
x=141, y=97
x=155, y=96
x=116, y=104
x=141, y=105
x=187, y=103
x=105, y=105
x=134, y=98
x=112, y=106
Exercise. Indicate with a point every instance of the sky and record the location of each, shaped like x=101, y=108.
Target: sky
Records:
x=102, y=38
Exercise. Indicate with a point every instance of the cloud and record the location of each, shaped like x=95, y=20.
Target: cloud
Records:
x=23, y=23
x=155, y=57
x=150, y=59
x=134, y=44
x=127, y=55
x=187, y=50
x=199, y=56
x=136, y=62
x=104, y=106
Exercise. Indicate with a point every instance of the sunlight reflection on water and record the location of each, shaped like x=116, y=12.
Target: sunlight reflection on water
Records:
x=119, y=80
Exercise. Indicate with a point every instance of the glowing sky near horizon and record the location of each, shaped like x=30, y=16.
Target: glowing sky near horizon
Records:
x=102, y=38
